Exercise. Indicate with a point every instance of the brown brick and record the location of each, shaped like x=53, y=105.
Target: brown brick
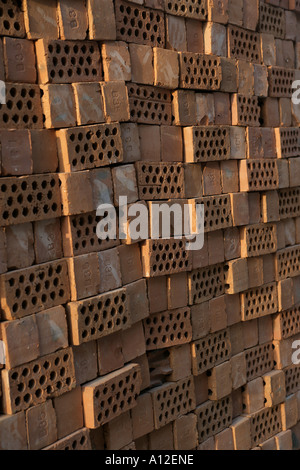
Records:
x=88, y=103
x=19, y=245
x=215, y=39
x=19, y=60
x=176, y=35
x=194, y=35
x=73, y=20
x=116, y=61
x=78, y=440
x=185, y=432
x=40, y=19
x=184, y=108
x=115, y=98
x=142, y=416
x=274, y=387
x=54, y=97
x=253, y=395
x=69, y=412
x=118, y=432
x=24, y=109
x=41, y=425
x=133, y=342
x=241, y=433
x=166, y=68
x=141, y=58
x=52, y=330
x=13, y=432
x=102, y=23
x=220, y=381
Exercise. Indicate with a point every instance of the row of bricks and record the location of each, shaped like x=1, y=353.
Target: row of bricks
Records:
x=162, y=67
x=72, y=22
x=128, y=143
x=137, y=103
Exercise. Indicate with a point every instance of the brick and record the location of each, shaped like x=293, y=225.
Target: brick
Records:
x=143, y=362
x=245, y=110
x=155, y=35
x=157, y=294
x=149, y=142
x=41, y=425
x=176, y=35
x=52, y=330
x=185, y=432
x=76, y=193
x=85, y=362
x=162, y=439
x=115, y=100
x=253, y=395
x=251, y=51
x=245, y=72
x=171, y=144
x=124, y=183
x=142, y=416
x=205, y=109
x=118, y=432
x=222, y=108
x=285, y=294
x=149, y=105
x=229, y=176
x=209, y=414
x=270, y=206
x=270, y=112
x=201, y=388
x=133, y=342
x=88, y=103
x=96, y=414
x=130, y=263
x=18, y=300
x=238, y=370
x=177, y=290
x=84, y=276
x=19, y=245
x=235, y=12
x=218, y=11
x=3, y=252
x=72, y=20
x=52, y=99
x=43, y=142
x=260, y=80
x=12, y=23
x=224, y=440
x=150, y=259
x=232, y=247
x=267, y=23
x=288, y=411
x=47, y=240
x=19, y=60
x=40, y=19
x=21, y=339
x=220, y=381
x=232, y=309
x=131, y=142
x=166, y=68
x=79, y=440
x=194, y=36
x=110, y=356
x=13, y=432
x=265, y=329
x=251, y=14
x=250, y=332
x=34, y=382
x=161, y=400
x=241, y=433
x=217, y=311
x=102, y=23
x=229, y=82
x=236, y=276
x=180, y=362
x=274, y=387
x=141, y=58
x=208, y=444
x=285, y=112
x=268, y=51
x=116, y=61
x=184, y=108
x=284, y=440
x=109, y=268
x=69, y=413
x=138, y=300
x=203, y=362
x=294, y=171
x=215, y=39
x=256, y=175
x=237, y=406
x=211, y=179
x=202, y=143
x=23, y=110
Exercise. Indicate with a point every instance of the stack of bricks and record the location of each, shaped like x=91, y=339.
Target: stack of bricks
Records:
x=143, y=344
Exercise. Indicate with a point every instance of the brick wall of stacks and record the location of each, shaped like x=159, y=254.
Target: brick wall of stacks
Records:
x=125, y=344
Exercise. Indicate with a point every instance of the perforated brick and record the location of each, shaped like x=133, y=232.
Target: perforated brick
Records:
x=287, y=323
x=271, y=20
x=206, y=283
x=79, y=235
x=165, y=256
x=78, y=440
x=167, y=329
x=294, y=5
x=23, y=109
x=264, y=424
x=149, y=105
x=289, y=203
x=140, y=25
x=35, y=382
x=280, y=82
x=210, y=351
x=200, y=71
x=11, y=19
x=206, y=143
x=98, y=316
x=68, y=61
x=189, y=8
x=243, y=44
x=84, y=147
x=217, y=213
x=160, y=180
x=258, y=175
x=30, y=290
x=257, y=240
x=292, y=379
x=259, y=360
x=288, y=142
x=171, y=400
x=213, y=417
x=287, y=262
x=109, y=396
x=28, y=198
x=259, y=301
x=245, y=110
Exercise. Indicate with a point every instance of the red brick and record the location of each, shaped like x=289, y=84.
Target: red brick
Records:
x=110, y=356
x=19, y=60
x=40, y=19
x=41, y=426
x=69, y=412
x=73, y=20
x=13, y=432
x=16, y=152
x=85, y=361
x=52, y=329
x=133, y=342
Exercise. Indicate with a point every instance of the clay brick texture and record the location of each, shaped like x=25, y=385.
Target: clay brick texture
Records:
x=120, y=331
